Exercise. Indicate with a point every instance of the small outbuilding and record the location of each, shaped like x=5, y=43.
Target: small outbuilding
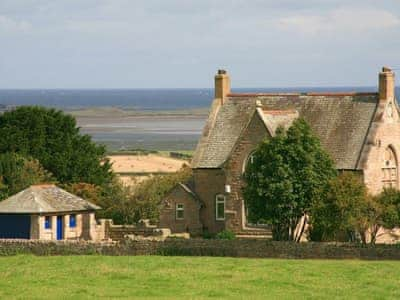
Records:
x=48, y=212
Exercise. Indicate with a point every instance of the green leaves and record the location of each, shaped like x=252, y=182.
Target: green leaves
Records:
x=18, y=173
x=289, y=172
x=53, y=138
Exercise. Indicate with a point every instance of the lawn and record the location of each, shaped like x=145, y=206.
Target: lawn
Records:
x=82, y=277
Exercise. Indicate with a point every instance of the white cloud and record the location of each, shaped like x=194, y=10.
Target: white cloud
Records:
x=10, y=25
x=349, y=21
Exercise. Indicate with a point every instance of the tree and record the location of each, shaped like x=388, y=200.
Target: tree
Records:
x=18, y=173
x=347, y=213
x=53, y=138
x=289, y=172
x=387, y=212
x=147, y=195
x=112, y=198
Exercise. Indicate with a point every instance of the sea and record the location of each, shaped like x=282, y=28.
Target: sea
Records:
x=163, y=132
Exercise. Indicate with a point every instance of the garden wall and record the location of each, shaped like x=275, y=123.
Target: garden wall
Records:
x=200, y=247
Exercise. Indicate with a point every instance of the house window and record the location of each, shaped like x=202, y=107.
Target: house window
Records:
x=72, y=221
x=47, y=222
x=220, y=207
x=179, y=211
x=248, y=161
x=389, y=169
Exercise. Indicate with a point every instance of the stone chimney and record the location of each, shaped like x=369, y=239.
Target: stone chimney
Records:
x=222, y=85
x=386, y=84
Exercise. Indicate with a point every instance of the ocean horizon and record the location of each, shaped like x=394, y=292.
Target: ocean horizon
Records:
x=139, y=99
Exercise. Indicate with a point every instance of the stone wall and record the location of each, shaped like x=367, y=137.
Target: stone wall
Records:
x=234, y=168
x=86, y=228
x=191, y=213
x=200, y=247
x=384, y=133
x=120, y=232
x=209, y=183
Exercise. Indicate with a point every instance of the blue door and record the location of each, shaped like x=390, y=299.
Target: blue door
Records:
x=59, y=227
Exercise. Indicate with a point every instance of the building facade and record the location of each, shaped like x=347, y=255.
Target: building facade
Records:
x=47, y=212
x=361, y=132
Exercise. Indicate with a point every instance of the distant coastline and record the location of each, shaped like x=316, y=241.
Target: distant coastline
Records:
x=152, y=119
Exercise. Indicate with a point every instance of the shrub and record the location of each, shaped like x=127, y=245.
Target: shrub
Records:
x=225, y=235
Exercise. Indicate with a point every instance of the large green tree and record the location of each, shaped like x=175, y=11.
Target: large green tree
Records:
x=288, y=173
x=18, y=173
x=53, y=138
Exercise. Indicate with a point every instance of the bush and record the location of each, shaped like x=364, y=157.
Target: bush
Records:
x=225, y=235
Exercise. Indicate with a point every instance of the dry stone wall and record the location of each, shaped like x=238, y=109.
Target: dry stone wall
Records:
x=201, y=247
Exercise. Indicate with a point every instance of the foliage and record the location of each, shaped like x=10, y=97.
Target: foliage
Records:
x=112, y=198
x=347, y=211
x=147, y=195
x=18, y=173
x=390, y=200
x=386, y=212
x=225, y=235
x=288, y=174
x=53, y=138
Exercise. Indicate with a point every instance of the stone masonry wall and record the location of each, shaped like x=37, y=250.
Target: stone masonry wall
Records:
x=200, y=247
x=384, y=132
x=209, y=183
x=247, y=143
x=191, y=214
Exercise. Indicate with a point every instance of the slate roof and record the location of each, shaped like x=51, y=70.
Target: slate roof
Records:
x=44, y=199
x=276, y=118
x=341, y=120
x=188, y=187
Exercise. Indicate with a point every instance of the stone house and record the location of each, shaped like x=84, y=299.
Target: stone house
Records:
x=47, y=212
x=361, y=132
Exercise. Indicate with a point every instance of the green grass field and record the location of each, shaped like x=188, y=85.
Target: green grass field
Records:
x=82, y=277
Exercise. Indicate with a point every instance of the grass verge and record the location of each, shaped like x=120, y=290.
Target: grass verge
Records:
x=60, y=277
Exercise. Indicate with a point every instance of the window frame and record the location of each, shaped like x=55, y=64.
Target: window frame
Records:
x=249, y=160
x=390, y=172
x=72, y=221
x=179, y=209
x=47, y=222
x=220, y=199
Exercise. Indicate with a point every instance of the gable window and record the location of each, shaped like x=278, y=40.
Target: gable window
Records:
x=47, y=222
x=389, y=169
x=220, y=207
x=180, y=211
x=248, y=161
x=72, y=221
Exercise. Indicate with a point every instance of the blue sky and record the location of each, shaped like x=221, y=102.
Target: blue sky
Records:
x=181, y=43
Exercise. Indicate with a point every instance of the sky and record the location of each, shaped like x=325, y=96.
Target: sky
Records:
x=181, y=43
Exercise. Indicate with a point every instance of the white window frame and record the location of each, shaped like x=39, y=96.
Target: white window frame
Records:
x=249, y=160
x=219, y=199
x=179, y=207
x=390, y=171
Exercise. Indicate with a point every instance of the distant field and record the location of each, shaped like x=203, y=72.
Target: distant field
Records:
x=135, y=168
x=93, y=277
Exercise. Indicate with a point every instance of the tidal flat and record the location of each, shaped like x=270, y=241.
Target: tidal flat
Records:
x=120, y=129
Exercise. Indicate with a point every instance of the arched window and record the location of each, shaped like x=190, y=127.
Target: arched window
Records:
x=248, y=160
x=389, y=169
